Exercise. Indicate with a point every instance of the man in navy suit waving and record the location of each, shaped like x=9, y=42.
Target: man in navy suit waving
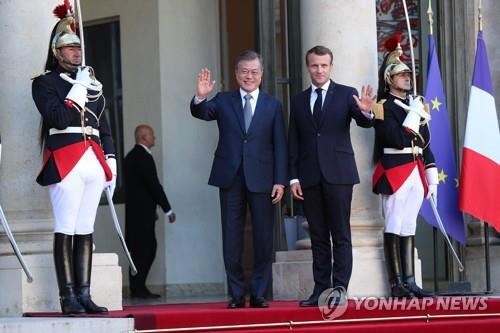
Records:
x=323, y=170
x=249, y=167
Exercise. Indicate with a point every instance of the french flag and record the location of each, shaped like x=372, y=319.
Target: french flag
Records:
x=480, y=176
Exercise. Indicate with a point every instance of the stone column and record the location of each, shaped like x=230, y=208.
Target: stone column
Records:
x=25, y=33
x=349, y=29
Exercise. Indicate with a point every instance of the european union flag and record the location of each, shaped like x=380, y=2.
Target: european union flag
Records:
x=442, y=147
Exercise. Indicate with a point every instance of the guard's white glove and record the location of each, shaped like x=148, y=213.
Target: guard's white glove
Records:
x=85, y=77
x=415, y=111
x=78, y=93
x=85, y=80
x=431, y=175
x=111, y=162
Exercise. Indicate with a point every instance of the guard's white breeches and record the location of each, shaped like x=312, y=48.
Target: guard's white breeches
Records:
x=401, y=208
x=75, y=199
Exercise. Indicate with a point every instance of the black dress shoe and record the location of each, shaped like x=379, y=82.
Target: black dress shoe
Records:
x=236, y=302
x=258, y=302
x=311, y=301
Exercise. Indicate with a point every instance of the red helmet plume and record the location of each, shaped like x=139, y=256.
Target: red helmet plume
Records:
x=392, y=43
x=63, y=10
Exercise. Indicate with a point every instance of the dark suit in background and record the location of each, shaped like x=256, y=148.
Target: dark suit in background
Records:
x=322, y=161
x=143, y=193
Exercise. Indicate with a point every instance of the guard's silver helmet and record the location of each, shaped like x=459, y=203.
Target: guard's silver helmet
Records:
x=65, y=31
x=393, y=63
x=393, y=69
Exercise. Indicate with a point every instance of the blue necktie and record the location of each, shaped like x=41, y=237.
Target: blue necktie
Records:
x=318, y=104
x=247, y=112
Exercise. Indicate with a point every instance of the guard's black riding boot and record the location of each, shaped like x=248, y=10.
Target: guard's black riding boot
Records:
x=63, y=262
x=407, y=245
x=82, y=257
x=393, y=263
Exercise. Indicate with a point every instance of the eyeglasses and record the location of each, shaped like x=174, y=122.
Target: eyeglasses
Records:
x=254, y=72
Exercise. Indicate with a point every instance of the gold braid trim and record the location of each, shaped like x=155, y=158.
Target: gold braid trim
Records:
x=378, y=109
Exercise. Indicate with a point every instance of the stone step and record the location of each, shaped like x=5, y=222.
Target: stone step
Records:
x=17, y=296
x=66, y=325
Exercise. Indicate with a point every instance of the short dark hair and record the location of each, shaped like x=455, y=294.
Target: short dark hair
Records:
x=249, y=55
x=319, y=50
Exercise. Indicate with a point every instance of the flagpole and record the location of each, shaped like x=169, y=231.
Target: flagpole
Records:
x=487, y=257
x=436, y=256
x=485, y=225
x=480, y=17
x=430, y=13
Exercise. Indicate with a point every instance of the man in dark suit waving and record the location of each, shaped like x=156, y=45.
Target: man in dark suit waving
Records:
x=323, y=170
x=143, y=194
x=249, y=167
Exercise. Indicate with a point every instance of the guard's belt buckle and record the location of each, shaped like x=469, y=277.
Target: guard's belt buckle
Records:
x=88, y=130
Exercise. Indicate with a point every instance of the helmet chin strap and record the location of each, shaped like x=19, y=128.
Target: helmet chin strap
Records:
x=398, y=90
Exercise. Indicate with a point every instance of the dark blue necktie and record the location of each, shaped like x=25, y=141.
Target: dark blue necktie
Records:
x=318, y=104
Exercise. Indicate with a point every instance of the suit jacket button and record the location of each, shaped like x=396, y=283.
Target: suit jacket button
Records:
x=245, y=141
x=319, y=134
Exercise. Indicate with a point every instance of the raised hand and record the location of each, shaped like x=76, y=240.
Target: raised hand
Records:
x=205, y=84
x=365, y=103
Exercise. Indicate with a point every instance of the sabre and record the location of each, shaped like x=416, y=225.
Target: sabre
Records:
x=443, y=231
x=109, y=196
x=411, y=49
x=13, y=243
x=80, y=27
x=432, y=199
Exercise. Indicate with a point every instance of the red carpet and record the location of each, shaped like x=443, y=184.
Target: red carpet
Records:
x=483, y=315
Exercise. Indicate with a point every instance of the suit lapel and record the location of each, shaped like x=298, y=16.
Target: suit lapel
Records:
x=259, y=112
x=238, y=109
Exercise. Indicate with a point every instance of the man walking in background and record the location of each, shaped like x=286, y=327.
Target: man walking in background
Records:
x=143, y=193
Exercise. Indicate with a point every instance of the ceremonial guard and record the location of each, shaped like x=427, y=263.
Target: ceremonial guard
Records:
x=78, y=158
x=405, y=171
